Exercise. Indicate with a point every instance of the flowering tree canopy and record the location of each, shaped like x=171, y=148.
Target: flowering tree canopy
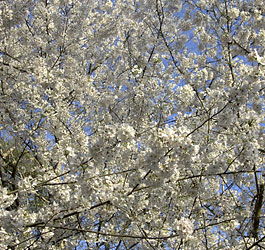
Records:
x=132, y=124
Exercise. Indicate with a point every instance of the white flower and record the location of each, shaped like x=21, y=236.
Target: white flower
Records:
x=167, y=135
x=184, y=227
x=6, y=200
x=233, y=13
x=126, y=132
x=186, y=93
x=255, y=56
x=70, y=151
x=260, y=59
x=136, y=70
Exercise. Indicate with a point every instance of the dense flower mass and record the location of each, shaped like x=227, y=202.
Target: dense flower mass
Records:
x=132, y=124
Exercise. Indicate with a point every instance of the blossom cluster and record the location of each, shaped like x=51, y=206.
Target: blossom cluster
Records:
x=132, y=124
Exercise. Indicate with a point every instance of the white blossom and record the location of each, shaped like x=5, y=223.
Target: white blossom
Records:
x=184, y=227
x=125, y=132
x=233, y=13
x=132, y=124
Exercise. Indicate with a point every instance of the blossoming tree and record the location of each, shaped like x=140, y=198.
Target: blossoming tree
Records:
x=132, y=124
